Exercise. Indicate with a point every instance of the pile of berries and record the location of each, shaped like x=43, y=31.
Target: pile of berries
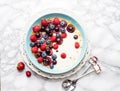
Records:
x=46, y=37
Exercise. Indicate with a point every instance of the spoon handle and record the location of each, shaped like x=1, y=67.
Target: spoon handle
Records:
x=85, y=74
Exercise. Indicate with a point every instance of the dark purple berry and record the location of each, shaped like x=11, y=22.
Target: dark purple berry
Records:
x=75, y=36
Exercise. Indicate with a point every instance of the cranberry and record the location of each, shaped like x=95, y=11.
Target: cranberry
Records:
x=63, y=55
x=77, y=45
x=20, y=66
x=28, y=73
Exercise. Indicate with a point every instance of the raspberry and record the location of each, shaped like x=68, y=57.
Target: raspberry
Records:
x=56, y=21
x=36, y=28
x=55, y=46
x=53, y=39
x=77, y=45
x=63, y=35
x=63, y=55
x=44, y=22
x=43, y=47
x=40, y=59
x=35, y=49
x=33, y=38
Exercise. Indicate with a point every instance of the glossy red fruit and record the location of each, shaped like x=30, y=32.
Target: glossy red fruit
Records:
x=34, y=49
x=63, y=35
x=53, y=38
x=77, y=45
x=55, y=46
x=33, y=38
x=63, y=55
x=56, y=21
x=44, y=22
x=36, y=28
x=28, y=73
x=40, y=59
x=20, y=66
x=43, y=47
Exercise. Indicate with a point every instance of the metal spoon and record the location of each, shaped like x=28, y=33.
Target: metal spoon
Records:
x=70, y=85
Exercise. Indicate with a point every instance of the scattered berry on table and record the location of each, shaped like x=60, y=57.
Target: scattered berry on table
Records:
x=28, y=73
x=20, y=66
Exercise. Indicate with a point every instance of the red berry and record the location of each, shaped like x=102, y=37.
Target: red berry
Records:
x=40, y=59
x=55, y=46
x=20, y=66
x=56, y=21
x=28, y=73
x=63, y=55
x=33, y=38
x=53, y=39
x=77, y=45
x=43, y=47
x=34, y=49
x=36, y=28
x=44, y=22
x=63, y=35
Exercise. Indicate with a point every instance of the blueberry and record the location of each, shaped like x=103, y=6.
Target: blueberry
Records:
x=48, y=42
x=51, y=26
x=51, y=66
x=62, y=30
x=57, y=35
x=63, y=23
x=32, y=44
x=37, y=35
x=45, y=36
x=44, y=54
x=41, y=40
x=54, y=62
x=54, y=56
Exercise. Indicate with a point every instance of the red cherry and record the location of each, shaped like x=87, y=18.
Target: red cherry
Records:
x=34, y=49
x=40, y=59
x=63, y=55
x=77, y=45
x=28, y=73
x=36, y=28
x=20, y=66
x=53, y=39
x=43, y=47
x=44, y=22
x=56, y=21
x=33, y=38
x=55, y=46
x=63, y=35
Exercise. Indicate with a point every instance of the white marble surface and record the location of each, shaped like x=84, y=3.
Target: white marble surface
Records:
x=99, y=18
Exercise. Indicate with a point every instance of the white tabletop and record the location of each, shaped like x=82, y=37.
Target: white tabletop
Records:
x=100, y=20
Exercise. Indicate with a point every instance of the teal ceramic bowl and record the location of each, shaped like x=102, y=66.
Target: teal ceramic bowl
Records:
x=33, y=59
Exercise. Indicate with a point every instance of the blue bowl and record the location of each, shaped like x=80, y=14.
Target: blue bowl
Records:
x=32, y=57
